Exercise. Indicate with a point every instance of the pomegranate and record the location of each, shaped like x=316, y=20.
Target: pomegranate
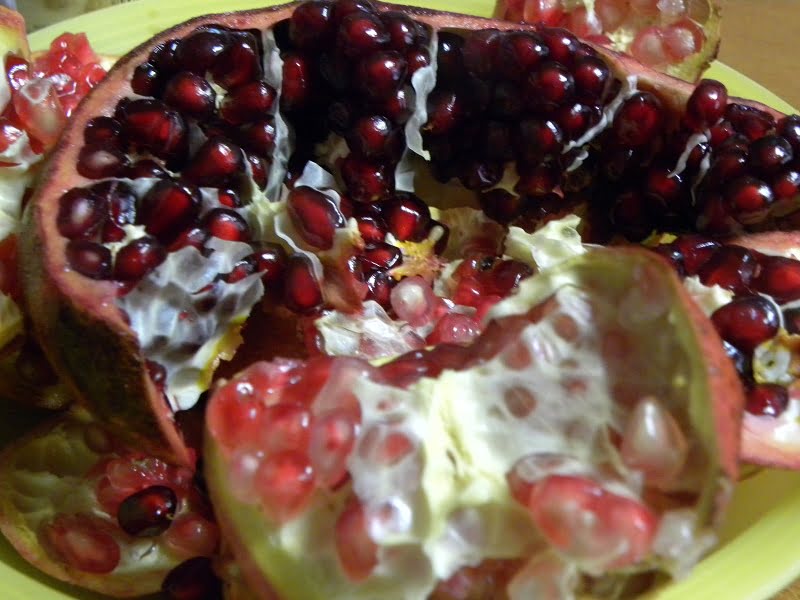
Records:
x=565, y=426
x=679, y=37
x=87, y=510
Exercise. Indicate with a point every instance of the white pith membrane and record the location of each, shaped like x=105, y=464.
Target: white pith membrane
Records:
x=55, y=474
x=446, y=504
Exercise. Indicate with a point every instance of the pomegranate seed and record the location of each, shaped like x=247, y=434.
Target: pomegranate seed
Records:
x=789, y=128
x=575, y=119
x=146, y=168
x=748, y=199
x=102, y=130
x=611, y=13
x=786, y=184
x=501, y=206
x=445, y=111
x=726, y=167
x=407, y=217
x=297, y=85
x=285, y=484
x=168, y=208
x=639, y=120
x=82, y=542
x=416, y=59
x=592, y=79
x=731, y=267
x=358, y=554
x=40, y=111
x=562, y=44
x=343, y=8
x=241, y=270
x=259, y=168
x=89, y=259
x=537, y=139
x=402, y=30
x=379, y=286
x=270, y=261
x=217, y=163
x=311, y=25
x=381, y=256
x=226, y=224
x=120, y=199
x=649, y=47
x=194, y=237
x=375, y=137
x=751, y=122
x=315, y=216
x=229, y=198
x=163, y=56
x=767, y=399
x=100, y=161
x=480, y=51
x=519, y=53
x=247, y=102
x=258, y=137
x=548, y=86
x=779, y=278
x=155, y=127
x=769, y=154
x=192, y=535
x=302, y=293
x=695, y=251
x=480, y=175
x=398, y=106
x=146, y=80
x=136, y=259
x=366, y=180
x=361, y=34
x=413, y=301
x=149, y=512
x=505, y=276
x=191, y=94
x=199, y=51
x=746, y=321
x=380, y=74
x=372, y=230
x=80, y=213
x=450, y=58
x=682, y=39
x=537, y=181
x=239, y=63
x=706, y=105
x=454, y=328
x=193, y=579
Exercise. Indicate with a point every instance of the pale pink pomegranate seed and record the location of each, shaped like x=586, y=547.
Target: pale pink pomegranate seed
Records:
x=192, y=535
x=584, y=23
x=385, y=447
x=236, y=416
x=649, y=47
x=587, y=523
x=611, y=12
x=243, y=464
x=548, y=12
x=414, y=301
x=39, y=110
x=682, y=39
x=645, y=7
x=286, y=427
x=284, y=483
x=358, y=553
x=454, y=328
x=332, y=439
x=519, y=401
x=82, y=542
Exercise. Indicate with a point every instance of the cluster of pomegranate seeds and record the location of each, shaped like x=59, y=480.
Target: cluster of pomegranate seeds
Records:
x=765, y=289
x=46, y=91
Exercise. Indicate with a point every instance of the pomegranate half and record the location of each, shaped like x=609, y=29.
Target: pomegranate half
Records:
x=351, y=170
x=588, y=437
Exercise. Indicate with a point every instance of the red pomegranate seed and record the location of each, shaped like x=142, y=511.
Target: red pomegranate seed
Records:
x=639, y=120
x=726, y=167
x=297, y=82
x=407, y=217
x=259, y=169
x=332, y=440
x=562, y=44
x=480, y=175
x=229, y=198
x=381, y=256
x=80, y=213
x=706, y=105
x=146, y=168
x=343, y=8
x=454, y=328
x=779, y=278
x=416, y=59
x=258, y=137
x=98, y=161
x=287, y=426
x=398, y=106
x=576, y=118
x=163, y=56
x=379, y=286
x=102, y=130
x=155, y=127
x=361, y=34
x=537, y=180
x=191, y=94
x=146, y=80
x=592, y=79
x=89, y=259
x=302, y=293
x=480, y=52
x=217, y=163
x=501, y=205
x=242, y=269
x=445, y=111
x=695, y=251
x=149, y=512
x=198, y=52
x=450, y=59
x=226, y=224
x=136, y=259
x=401, y=29
x=375, y=137
x=357, y=552
x=311, y=25
x=747, y=321
x=380, y=74
x=768, y=154
x=194, y=237
x=239, y=63
x=248, y=102
x=284, y=483
x=168, y=208
x=785, y=185
x=751, y=122
x=82, y=542
x=789, y=128
x=504, y=277
x=193, y=579
x=315, y=216
x=366, y=180
x=537, y=139
x=519, y=53
x=549, y=86
x=731, y=267
x=372, y=230
x=767, y=399
x=748, y=199
x=270, y=261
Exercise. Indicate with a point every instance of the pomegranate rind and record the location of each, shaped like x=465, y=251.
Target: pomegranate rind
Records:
x=277, y=558
x=45, y=472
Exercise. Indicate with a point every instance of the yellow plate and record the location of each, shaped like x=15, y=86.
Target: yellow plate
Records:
x=761, y=550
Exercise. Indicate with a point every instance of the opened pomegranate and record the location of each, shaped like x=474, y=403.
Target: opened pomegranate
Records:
x=563, y=430
x=679, y=37
x=314, y=161
x=90, y=511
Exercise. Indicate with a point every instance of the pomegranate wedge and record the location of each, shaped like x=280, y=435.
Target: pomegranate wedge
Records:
x=590, y=431
x=347, y=172
x=85, y=509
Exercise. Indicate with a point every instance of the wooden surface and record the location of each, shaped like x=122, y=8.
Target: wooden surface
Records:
x=760, y=40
